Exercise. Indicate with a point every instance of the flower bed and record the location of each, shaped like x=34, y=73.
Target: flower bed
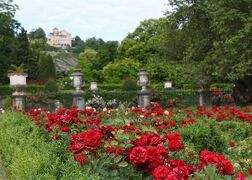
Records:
x=153, y=142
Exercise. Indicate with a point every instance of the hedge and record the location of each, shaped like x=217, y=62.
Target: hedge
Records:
x=7, y=90
x=28, y=153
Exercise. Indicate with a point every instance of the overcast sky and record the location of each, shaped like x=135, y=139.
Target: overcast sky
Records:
x=107, y=19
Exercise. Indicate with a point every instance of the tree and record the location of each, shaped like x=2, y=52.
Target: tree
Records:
x=218, y=36
x=8, y=29
x=46, y=68
x=94, y=43
x=143, y=43
x=116, y=72
x=38, y=34
x=85, y=62
x=78, y=45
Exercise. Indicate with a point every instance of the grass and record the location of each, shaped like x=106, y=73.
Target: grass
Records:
x=3, y=174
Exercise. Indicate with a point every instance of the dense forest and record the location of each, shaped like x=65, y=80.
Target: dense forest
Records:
x=196, y=43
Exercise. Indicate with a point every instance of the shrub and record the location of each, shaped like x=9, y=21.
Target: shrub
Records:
x=203, y=135
x=51, y=86
x=222, y=86
x=27, y=154
x=129, y=85
x=46, y=67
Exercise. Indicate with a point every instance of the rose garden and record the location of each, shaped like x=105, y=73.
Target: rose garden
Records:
x=104, y=140
x=168, y=100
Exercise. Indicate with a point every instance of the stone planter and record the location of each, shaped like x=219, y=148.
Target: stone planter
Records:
x=17, y=80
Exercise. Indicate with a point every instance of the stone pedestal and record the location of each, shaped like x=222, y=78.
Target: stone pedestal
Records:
x=78, y=100
x=143, y=98
x=18, y=100
x=201, y=97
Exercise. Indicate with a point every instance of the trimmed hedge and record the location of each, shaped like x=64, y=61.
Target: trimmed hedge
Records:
x=28, y=154
x=6, y=90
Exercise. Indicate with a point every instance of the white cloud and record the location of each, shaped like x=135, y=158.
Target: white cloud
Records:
x=107, y=19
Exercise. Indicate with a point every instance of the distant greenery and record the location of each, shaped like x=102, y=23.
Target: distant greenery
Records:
x=196, y=44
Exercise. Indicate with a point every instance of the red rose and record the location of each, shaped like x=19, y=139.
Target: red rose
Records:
x=250, y=171
x=226, y=168
x=240, y=176
x=181, y=172
x=81, y=158
x=138, y=155
x=65, y=129
x=92, y=138
x=142, y=141
x=174, y=136
x=175, y=145
x=152, y=153
x=161, y=173
x=232, y=143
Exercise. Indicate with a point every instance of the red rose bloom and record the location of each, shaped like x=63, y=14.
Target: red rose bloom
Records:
x=92, y=138
x=240, y=176
x=138, y=155
x=161, y=173
x=174, y=136
x=65, y=129
x=175, y=145
x=80, y=158
x=250, y=171
x=232, y=143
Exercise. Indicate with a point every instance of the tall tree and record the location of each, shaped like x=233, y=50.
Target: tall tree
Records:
x=46, y=68
x=78, y=45
x=143, y=43
x=8, y=29
x=218, y=36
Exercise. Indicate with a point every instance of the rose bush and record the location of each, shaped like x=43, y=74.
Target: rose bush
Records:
x=154, y=142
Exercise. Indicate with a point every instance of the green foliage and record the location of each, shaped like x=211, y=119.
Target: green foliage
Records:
x=85, y=61
x=51, y=86
x=203, y=135
x=219, y=36
x=179, y=74
x=223, y=86
x=143, y=43
x=7, y=102
x=9, y=26
x=129, y=85
x=126, y=68
x=46, y=67
x=17, y=69
x=210, y=173
x=27, y=154
x=37, y=34
x=78, y=45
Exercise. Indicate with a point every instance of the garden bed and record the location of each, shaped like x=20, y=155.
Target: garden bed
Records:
x=178, y=143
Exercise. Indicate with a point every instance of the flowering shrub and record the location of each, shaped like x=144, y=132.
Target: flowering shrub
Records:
x=153, y=142
x=99, y=103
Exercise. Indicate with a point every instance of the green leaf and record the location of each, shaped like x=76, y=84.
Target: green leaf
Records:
x=118, y=158
x=114, y=143
x=123, y=164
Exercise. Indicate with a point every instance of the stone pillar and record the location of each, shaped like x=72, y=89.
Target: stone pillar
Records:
x=143, y=98
x=78, y=100
x=201, y=97
x=18, y=100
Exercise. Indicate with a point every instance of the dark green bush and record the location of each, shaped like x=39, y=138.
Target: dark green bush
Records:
x=46, y=68
x=129, y=85
x=51, y=86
